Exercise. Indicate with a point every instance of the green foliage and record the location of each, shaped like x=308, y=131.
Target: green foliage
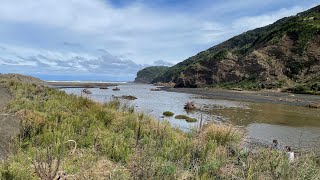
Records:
x=305, y=89
x=150, y=73
x=221, y=55
x=168, y=113
x=295, y=67
x=191, y=120
x=187, y=118
x=244, y=84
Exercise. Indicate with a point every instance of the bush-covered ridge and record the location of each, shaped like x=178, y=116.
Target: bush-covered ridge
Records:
x=87, y=140
x=286, y=51
x=146, y=75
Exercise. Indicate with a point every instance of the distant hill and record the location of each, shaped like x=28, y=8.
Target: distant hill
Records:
x=20, y=78
x=283, y=54
x=147, y=75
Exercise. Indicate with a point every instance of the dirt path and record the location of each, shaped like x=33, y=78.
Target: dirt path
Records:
x=252, y=96
x=9, y=124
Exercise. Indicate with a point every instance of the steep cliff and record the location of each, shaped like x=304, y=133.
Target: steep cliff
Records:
x=282, y=54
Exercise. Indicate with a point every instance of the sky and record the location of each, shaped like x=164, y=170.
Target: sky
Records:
x=110, y=40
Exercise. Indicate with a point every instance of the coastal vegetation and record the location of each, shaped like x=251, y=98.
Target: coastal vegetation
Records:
x=187, y=118
x=75, y=137
x=168, y=113
x=146, y=75
x=309, y=88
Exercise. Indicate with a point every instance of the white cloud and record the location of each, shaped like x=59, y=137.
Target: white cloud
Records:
x=265, y=19
x=77, y=35
x=44, y=61
x=162, y=63
x=136, y=28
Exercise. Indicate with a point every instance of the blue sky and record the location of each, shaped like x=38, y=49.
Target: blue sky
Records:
x=113, y=39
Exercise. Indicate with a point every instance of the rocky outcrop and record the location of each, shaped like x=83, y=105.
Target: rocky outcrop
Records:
x=147, y=75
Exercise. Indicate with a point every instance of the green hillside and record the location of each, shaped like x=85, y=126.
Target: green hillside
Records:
x=283, y=54
x=146, y=75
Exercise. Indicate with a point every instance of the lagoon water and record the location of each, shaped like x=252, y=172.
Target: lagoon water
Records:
x=291, y=125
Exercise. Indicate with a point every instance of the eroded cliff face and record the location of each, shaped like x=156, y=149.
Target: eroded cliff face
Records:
x=268, y=65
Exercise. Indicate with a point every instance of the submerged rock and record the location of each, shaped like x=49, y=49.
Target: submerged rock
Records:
x=155, y=89
x=129, y=97
x=125, y=97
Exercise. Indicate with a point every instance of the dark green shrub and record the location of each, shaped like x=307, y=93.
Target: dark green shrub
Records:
x=185, y=117
x=106, y=117
x=168, y=113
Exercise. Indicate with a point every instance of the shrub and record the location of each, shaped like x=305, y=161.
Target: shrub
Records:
x=187, y=118
x=300, y=89
x=180, y=116
x=191, y=120
x=113, y=104
x=168, y=113
x=105, y=116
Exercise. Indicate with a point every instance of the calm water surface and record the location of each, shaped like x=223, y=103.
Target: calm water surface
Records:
x=291, y=125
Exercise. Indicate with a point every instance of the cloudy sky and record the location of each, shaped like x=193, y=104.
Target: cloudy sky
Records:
x=113, y=39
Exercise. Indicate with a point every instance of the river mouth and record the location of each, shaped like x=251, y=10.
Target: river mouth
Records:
x=292, y=125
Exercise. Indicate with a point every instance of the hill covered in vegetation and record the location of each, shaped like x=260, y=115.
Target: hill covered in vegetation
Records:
x=147, y=75
x=283, y=54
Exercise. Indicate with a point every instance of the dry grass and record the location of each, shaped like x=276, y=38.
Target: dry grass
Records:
x=103, y=169
x=222, y=134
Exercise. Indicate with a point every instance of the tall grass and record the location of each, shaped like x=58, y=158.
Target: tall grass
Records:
x=221, y=134
x=113, y=142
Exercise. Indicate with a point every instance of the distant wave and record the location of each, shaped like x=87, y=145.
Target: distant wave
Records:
x=116, y=82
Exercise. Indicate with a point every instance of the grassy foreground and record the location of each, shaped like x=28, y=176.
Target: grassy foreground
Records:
x=86, y=140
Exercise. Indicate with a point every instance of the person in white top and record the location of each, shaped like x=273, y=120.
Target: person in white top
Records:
x=290, y=154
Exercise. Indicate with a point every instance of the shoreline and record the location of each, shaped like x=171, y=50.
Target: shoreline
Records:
x=251, y=96
x=80, y=84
